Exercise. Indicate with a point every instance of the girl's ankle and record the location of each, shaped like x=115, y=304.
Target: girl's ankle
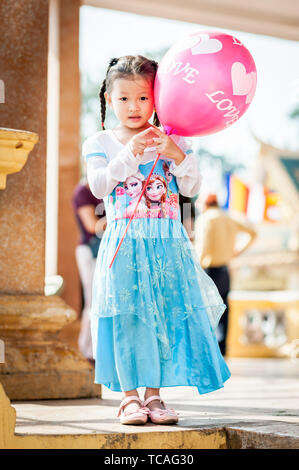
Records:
x=130, y=394
x=151, y=394
x=134, y=401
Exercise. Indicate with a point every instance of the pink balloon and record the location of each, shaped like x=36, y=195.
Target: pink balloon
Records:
x=204, y=83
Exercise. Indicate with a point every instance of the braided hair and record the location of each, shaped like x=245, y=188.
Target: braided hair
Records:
x=125, y=67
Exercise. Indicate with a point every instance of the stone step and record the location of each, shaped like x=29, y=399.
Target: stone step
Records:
x=257, y=408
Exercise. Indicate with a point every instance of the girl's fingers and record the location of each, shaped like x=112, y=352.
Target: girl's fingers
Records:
x=142, y=148
x=158, y=132
x=146, y=131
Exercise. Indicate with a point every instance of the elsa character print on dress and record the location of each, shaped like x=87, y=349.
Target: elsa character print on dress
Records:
x=155, y=311
x=133, y=187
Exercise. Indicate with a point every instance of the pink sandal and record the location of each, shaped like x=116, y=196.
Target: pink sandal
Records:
x=132, y=417
x=167, y=416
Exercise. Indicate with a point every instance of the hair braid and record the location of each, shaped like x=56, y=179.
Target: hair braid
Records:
x=156, y=121
x=103, y=103
x=102, y=92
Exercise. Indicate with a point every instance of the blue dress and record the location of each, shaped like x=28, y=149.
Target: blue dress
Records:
x=155, y=311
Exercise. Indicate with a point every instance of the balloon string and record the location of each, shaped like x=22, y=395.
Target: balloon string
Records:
x=141, y=194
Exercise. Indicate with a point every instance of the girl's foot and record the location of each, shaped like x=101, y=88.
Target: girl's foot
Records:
x=158, y=413
x=131, y=411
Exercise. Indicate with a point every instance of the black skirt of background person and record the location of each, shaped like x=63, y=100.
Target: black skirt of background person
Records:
x=185, y=208
x=220, y=276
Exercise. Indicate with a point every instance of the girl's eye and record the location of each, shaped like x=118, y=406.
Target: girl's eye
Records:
x=144, y=98
x=123, y=98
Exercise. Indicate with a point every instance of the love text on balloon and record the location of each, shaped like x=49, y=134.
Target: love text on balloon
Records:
x=188, y=73
x=224, y=104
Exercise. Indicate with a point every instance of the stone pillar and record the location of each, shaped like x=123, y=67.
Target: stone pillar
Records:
x=23, y=69
x=37, y=365
x=69, y=159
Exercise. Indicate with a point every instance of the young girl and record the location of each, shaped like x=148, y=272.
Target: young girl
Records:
x=154, y=312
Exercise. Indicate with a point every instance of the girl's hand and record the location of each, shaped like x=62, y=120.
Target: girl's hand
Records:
x=166, y=146
x=140, y=141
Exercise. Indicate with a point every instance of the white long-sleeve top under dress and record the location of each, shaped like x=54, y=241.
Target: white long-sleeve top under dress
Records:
x=109, y=162
x=140, y=301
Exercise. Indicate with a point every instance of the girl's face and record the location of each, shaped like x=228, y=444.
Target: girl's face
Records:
x=155, y=190
x=132, y=101
x=133, y=186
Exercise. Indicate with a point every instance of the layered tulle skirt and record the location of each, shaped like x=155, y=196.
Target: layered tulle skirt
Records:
x=154, y=312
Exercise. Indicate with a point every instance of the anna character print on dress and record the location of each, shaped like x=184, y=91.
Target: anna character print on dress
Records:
x=155, y=194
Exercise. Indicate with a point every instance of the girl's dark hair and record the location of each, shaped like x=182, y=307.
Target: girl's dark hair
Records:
x=126, y=67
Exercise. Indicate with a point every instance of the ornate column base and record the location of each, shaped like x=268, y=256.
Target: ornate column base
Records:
x=37, y=364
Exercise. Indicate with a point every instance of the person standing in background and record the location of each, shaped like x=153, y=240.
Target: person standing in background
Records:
x=215, y=243
x=91, y=220
x=188, y=214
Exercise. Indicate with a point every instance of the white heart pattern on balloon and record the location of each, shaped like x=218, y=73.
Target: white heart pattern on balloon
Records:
x=243, y=83
x=206, y=45
x=198, y=43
